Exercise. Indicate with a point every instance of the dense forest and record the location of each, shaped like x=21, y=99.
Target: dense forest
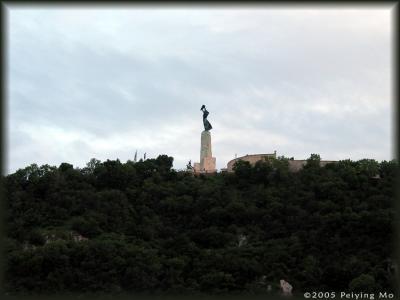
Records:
x=142, y=226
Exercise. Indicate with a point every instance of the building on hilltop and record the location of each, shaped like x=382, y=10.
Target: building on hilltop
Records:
x=294, y=164
x=252, y=159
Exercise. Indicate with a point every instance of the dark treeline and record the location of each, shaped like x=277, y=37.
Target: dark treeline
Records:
x=144, y=227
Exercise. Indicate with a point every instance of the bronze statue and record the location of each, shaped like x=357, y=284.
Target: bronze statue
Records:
x=207, y=125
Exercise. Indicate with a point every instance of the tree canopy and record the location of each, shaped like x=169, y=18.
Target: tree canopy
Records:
x=145, y=227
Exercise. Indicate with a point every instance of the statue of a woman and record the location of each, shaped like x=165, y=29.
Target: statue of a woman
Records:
x=207, y=125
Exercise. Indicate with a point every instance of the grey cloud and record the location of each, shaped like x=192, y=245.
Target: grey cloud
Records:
x=308, y=80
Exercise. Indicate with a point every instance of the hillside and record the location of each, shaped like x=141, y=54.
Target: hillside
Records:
x=122, y=227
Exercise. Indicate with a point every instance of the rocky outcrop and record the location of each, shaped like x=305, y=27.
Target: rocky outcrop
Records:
x=286, y=288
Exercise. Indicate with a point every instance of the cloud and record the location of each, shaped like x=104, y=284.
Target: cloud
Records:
x=104, y=82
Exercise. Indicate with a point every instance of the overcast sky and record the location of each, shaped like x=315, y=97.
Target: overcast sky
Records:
x=105, y=82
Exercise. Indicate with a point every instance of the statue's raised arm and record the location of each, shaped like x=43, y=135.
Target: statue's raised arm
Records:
x=207, y=125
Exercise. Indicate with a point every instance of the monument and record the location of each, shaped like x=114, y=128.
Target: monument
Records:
x=207, y=162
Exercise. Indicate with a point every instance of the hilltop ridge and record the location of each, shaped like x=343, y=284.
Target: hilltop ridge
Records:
x=142, y=226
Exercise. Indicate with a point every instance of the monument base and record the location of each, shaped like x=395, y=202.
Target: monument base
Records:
x=196, y=167
x=207, y=162
x=209, y=166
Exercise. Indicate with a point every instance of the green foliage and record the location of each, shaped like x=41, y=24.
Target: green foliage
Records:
x=363, y=283
x=36, y=238
x=92, y=165
x=64, y=167
x=242, y=169
x=117, y=227
x=87, y=226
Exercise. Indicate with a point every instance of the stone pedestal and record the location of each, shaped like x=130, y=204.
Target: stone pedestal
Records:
x=196, y=167
x=207, y=162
